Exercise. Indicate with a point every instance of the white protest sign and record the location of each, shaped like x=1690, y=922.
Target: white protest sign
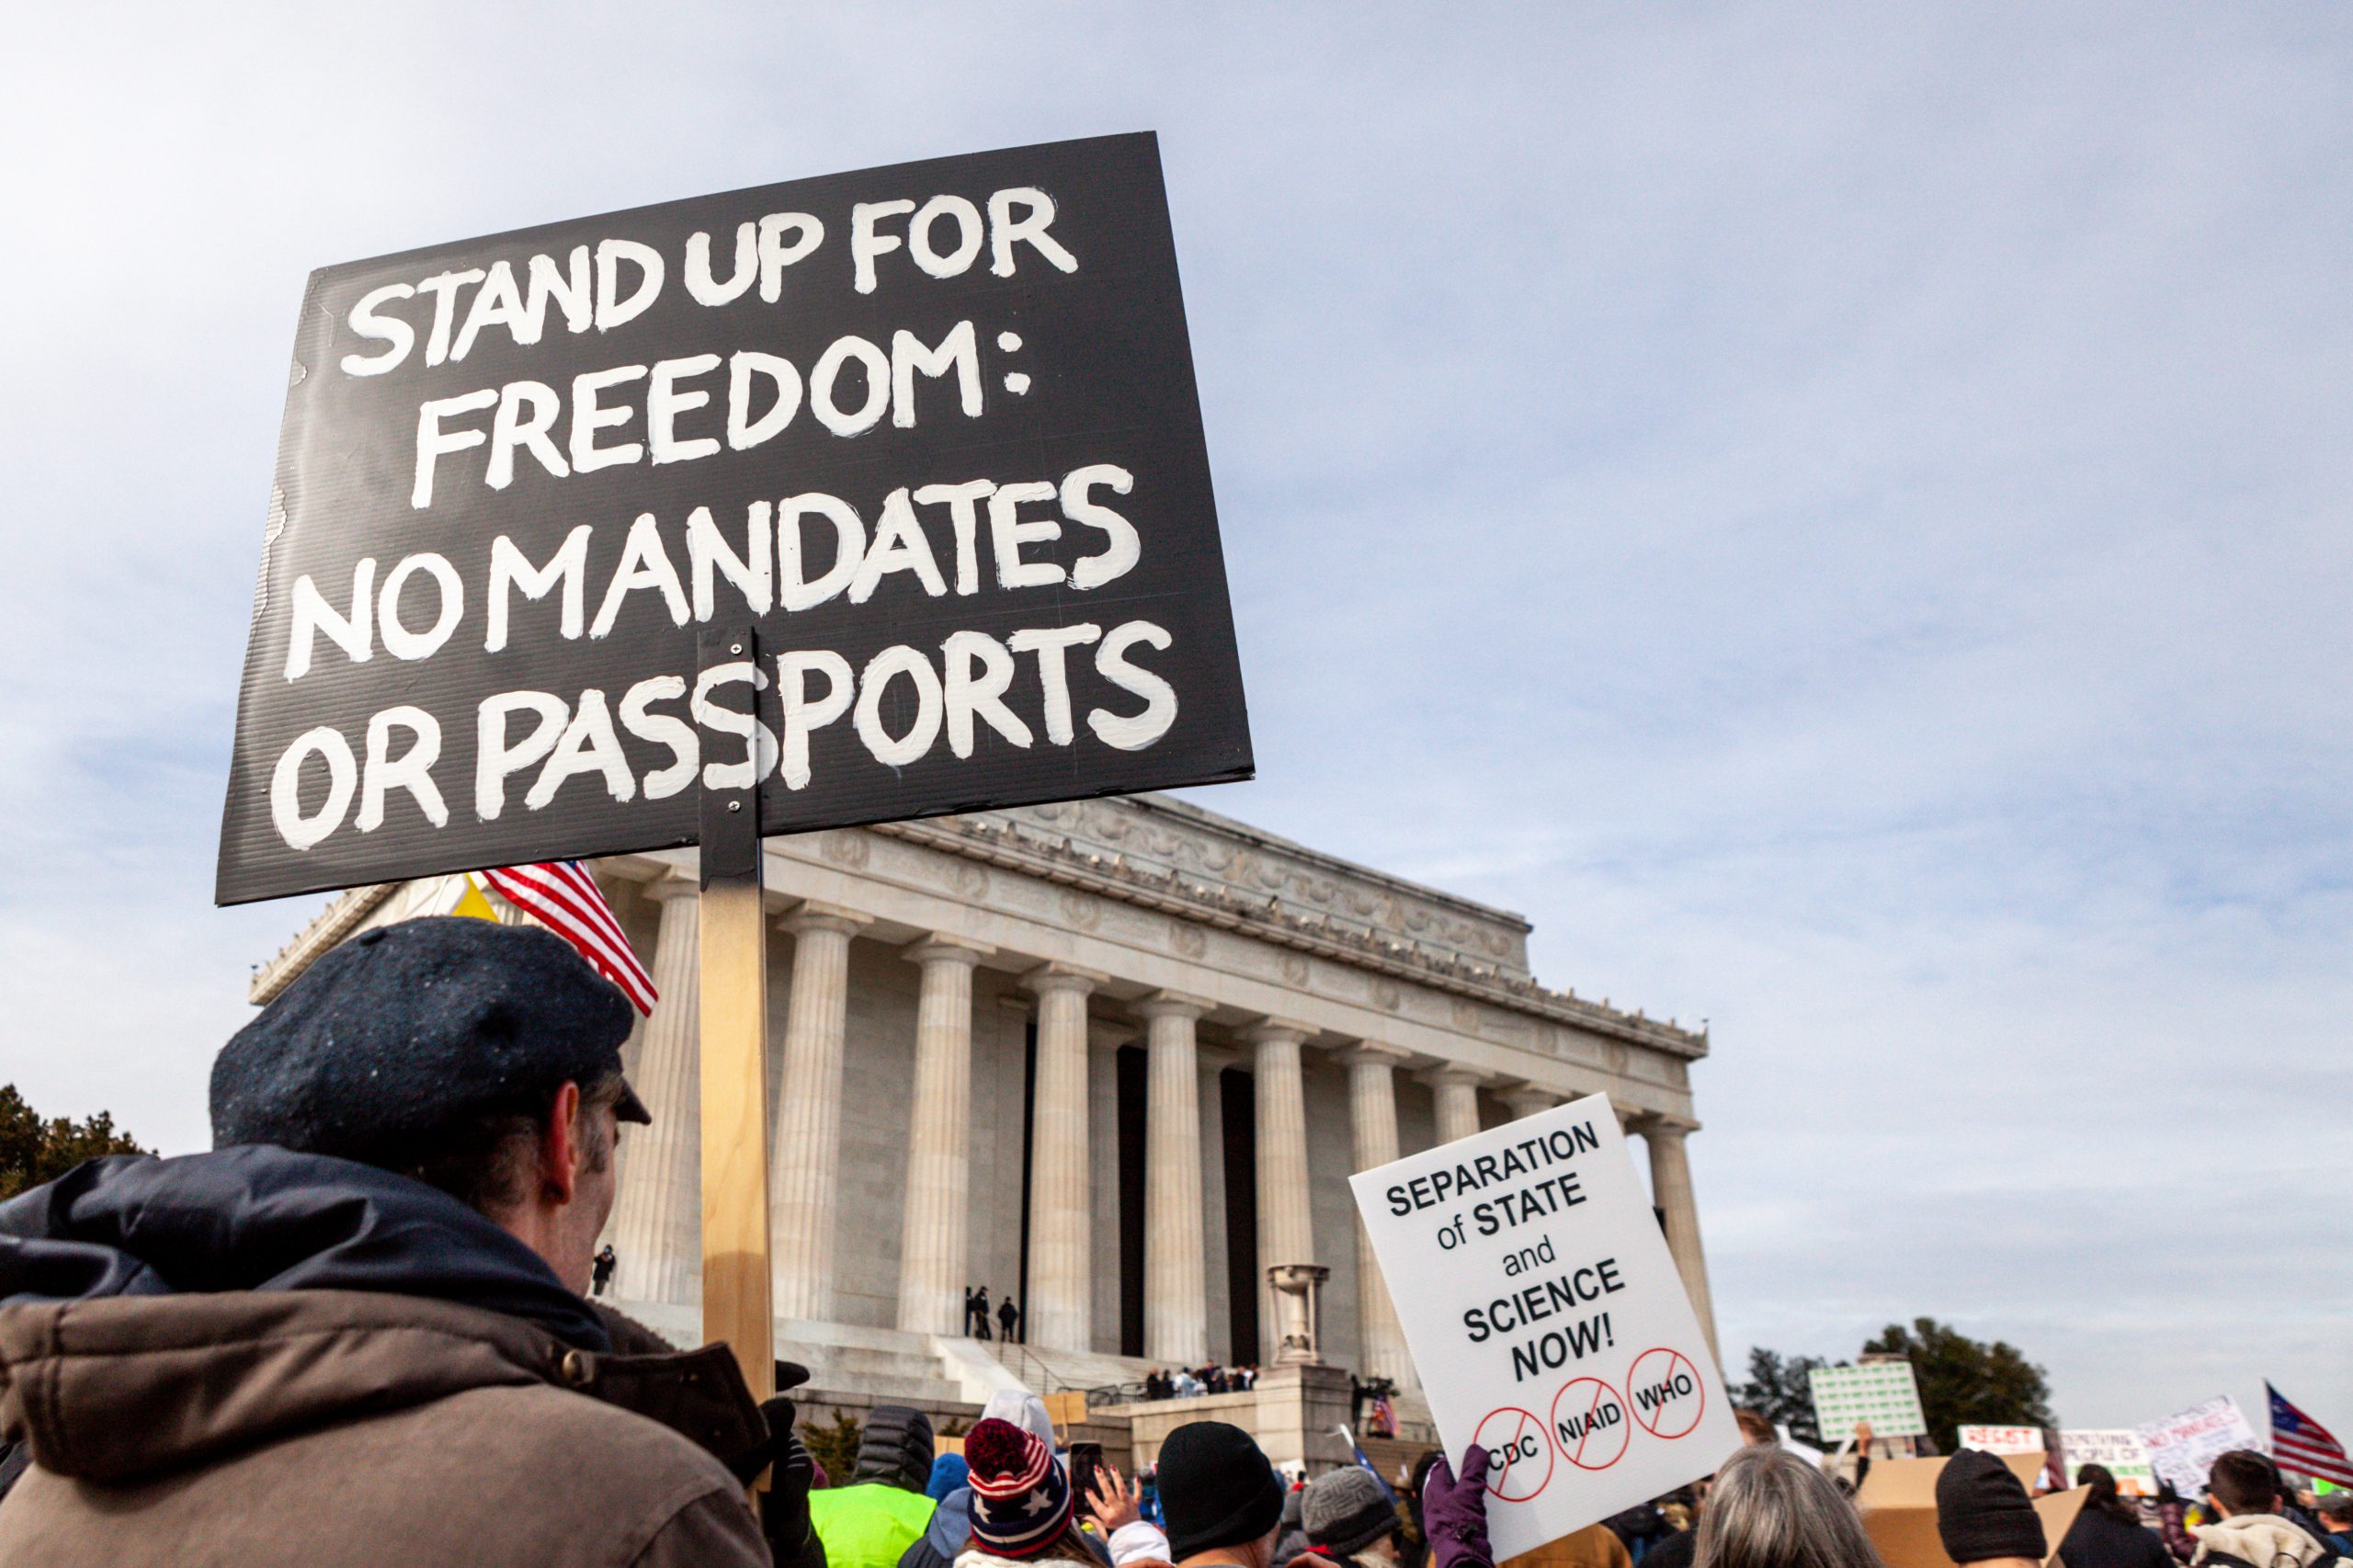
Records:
x=2119, y=1449
x=1547, y=1321
x=2183, y=1444
x=2005, y=1439
x=1882, y=1393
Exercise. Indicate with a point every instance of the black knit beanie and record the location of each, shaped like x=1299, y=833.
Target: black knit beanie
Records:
x=1983, y=1511
x=1216, y=1488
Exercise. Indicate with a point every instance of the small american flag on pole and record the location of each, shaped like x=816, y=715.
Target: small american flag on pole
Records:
x=565, y=898
x=2304, y=1446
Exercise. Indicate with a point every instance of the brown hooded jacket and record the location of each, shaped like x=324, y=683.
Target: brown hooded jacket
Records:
x=340, y=1429
x=195, y=1383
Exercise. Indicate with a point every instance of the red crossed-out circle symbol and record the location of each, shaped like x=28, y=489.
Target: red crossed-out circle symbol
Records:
x=1665, y=1389
x=1589, y=1423
x=1521, y=1462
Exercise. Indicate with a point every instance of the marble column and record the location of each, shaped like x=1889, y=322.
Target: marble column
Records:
x=1059, y=1314
x=1175, y=1254
x=1528, y=1099
x=1108, y=1261
x=806, y=1159
x=1671, y=1190
x=933, y=1244
x=1286, y=1226
x=657, y=1211
x=1457, y=1089
x=1373, y=1118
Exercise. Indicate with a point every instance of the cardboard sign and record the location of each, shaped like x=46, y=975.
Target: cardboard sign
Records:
x=930, y=433
x=1882, y=1393
x=2182, y=1446
x=1898, y=1502
x=1547, y=1321
x=2120, y=1449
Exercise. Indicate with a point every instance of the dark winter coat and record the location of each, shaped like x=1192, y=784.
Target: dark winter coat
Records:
x=896, y=1448
x=2099, y=1538
x=1675, y=1551
x=262, y=1358
x=1641, y=1527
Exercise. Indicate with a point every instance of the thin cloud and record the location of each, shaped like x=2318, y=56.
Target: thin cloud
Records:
x=1842, y=520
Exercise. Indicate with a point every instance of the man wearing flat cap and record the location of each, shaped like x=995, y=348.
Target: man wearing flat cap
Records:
x=355, y=1332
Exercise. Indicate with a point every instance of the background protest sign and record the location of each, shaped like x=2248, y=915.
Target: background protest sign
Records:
x=2006, y=1439
x=2043, y=1443
x=2120, y=1449
x=1546, y=1320
x=1882, y=1393
x=929, y=431
x=2183, y=1444
x=1898, y=1502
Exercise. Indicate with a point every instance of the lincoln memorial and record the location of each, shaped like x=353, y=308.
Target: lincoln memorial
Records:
x=1114, y=1058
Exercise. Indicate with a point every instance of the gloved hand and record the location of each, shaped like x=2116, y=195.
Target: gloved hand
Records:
x=784, y=1506
x=1454, y=1513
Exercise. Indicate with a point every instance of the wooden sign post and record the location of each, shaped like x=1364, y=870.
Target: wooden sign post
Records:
x=732, y=929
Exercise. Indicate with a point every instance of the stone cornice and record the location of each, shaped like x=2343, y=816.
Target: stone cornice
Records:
x=1189, y=818
x=1005, y=840
x=327, y=927
x=1016, y=849
x=1157, y=833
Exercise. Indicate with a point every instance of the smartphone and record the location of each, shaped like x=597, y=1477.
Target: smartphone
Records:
x=1085, y=1459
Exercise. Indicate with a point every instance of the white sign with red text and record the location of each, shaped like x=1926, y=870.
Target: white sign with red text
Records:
x=2006, y=1439
x=1547, y=1321
x=2184, y=1445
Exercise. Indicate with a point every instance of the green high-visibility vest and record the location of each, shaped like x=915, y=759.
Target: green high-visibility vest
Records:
x=869, y=1526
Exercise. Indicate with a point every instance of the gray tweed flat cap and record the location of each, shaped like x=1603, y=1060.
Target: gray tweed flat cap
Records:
x=409, y=1028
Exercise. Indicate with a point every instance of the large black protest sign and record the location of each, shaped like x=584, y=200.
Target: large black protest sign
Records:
x=930, y=432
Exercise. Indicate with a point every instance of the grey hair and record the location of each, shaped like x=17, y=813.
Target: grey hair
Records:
x=1770, y=1509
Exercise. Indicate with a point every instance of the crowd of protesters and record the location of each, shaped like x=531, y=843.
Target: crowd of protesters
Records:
x=365, y=1330
x=1195, y=1381
x=1213, y=1499
x=1767, y=1508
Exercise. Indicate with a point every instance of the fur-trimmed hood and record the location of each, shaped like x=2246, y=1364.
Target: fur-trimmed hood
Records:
x=2264, y=1540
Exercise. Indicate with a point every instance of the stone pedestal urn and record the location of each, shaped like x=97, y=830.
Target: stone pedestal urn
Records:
x=1298, y=1298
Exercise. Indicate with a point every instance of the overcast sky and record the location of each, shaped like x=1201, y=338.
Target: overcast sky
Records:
x=1837, y=512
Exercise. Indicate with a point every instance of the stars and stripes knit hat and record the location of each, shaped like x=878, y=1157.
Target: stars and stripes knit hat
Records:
x=1021, y=1499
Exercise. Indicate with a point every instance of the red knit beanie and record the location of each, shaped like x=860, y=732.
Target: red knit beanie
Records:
x=1021, y=1500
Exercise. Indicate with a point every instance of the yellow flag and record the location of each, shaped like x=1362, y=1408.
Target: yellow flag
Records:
x=473, y=906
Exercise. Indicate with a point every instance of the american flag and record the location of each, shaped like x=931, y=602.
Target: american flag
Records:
x=565, y=897
x=2304, y=1446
